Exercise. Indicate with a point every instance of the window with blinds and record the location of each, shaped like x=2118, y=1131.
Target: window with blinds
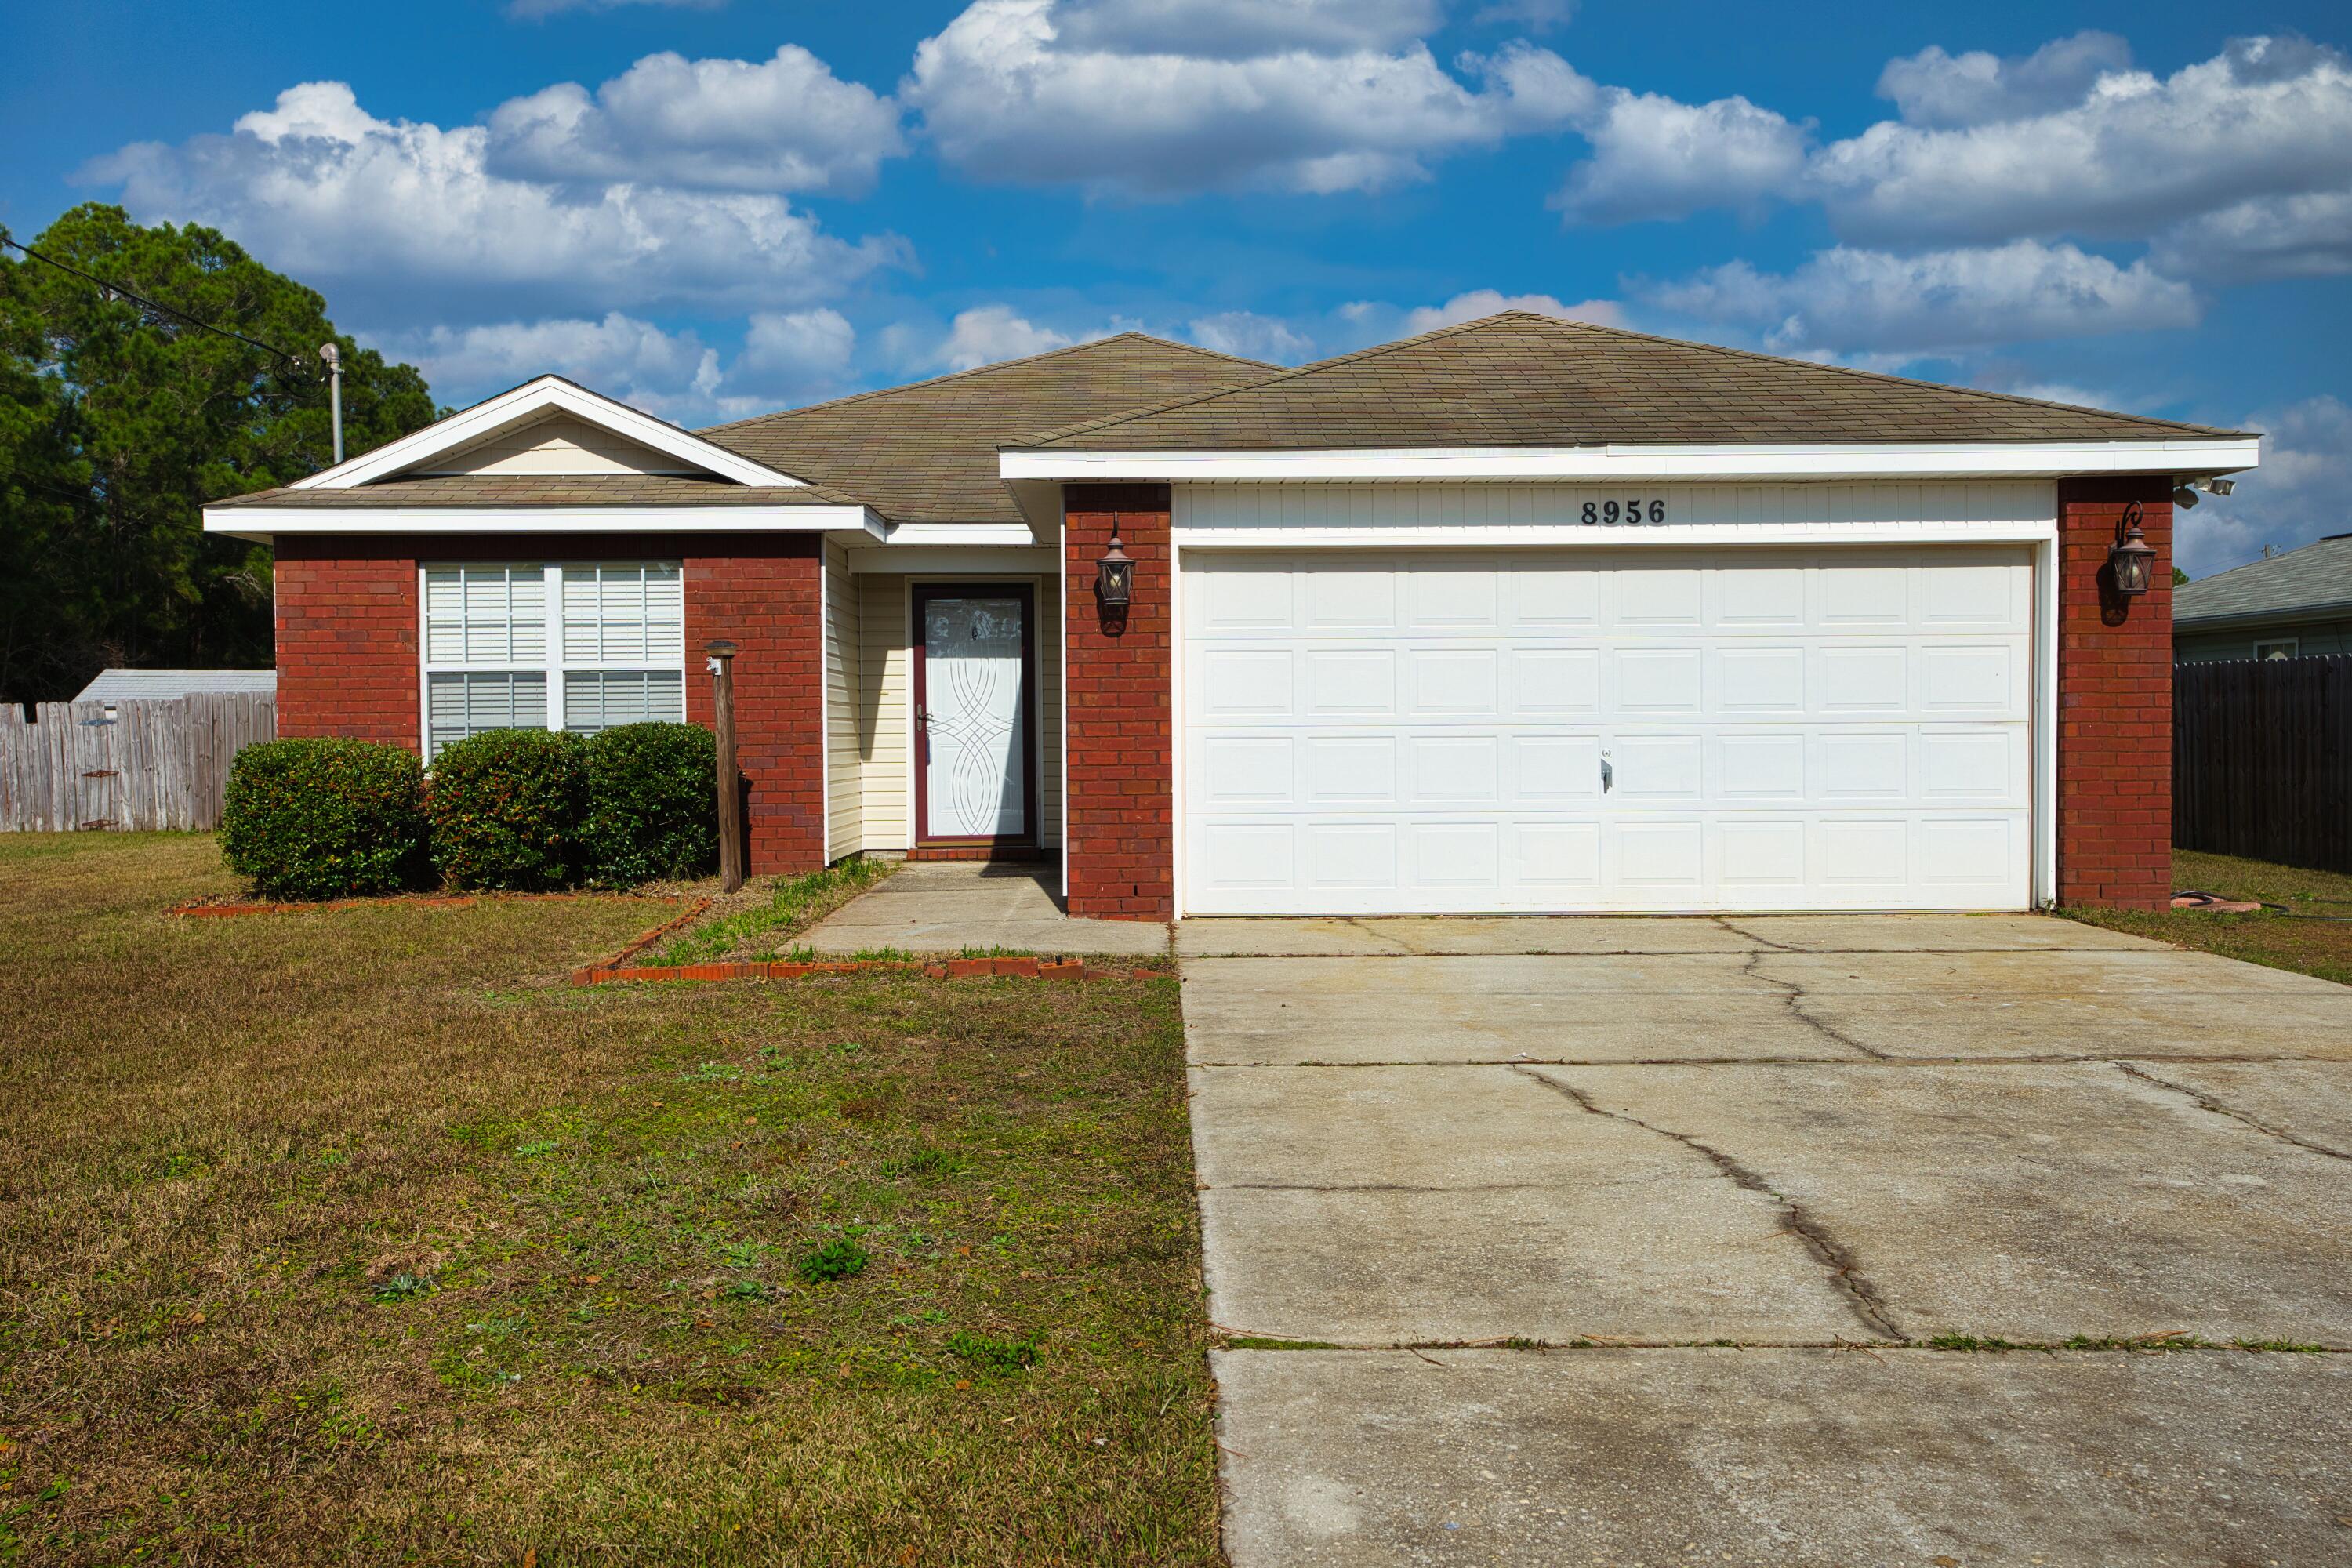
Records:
x=580, y=648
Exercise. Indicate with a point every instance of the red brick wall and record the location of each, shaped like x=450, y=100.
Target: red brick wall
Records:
x=347, y=652
x=764, y=596
x=346, y=641
x=2114, y=701
x=1118, y=727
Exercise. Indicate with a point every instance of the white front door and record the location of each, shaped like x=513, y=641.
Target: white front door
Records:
x=972, y=713
x=1653, y=729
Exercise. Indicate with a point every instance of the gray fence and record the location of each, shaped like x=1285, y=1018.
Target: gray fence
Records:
x=146, y=764
x=2261, y=760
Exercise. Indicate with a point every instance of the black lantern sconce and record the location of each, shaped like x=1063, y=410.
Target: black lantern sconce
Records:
x=1114, y=576
x=2133, y=558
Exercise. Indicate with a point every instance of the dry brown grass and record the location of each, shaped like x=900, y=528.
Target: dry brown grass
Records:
x=2287, y=937
x=358, y=1237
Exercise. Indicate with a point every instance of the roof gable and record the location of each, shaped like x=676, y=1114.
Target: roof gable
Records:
x=927, y=452
x=1521, y=380
x=503, y=425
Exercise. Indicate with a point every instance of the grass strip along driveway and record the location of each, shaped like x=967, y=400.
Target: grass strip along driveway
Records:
x=2309, y=929
x=362, y=1235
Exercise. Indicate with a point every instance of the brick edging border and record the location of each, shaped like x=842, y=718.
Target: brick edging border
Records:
x=945, y=969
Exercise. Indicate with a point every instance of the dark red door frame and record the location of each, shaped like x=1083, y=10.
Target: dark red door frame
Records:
x=1026, y=721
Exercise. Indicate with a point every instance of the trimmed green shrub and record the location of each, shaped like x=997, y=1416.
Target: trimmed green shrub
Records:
x=507, y=806
x=653, y=804
x=324, y=819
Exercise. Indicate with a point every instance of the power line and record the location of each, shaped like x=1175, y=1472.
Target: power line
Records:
x=117, y=288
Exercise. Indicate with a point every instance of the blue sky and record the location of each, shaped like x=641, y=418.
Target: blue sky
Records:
x=721, y=207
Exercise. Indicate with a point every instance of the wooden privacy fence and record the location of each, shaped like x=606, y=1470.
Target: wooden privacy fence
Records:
x=152, y=762
x=2261, y=760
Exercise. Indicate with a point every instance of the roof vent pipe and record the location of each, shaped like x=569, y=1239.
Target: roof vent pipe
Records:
x=332, y=358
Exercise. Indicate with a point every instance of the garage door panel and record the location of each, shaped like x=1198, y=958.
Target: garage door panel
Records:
x=1246, y=683
x=1545, y=772
x=1352, y=855
x=1552, y=683
x=1752, y=680
x=1454, y=682
x=1656, y=681
x=1358, y=771
x=1786, y=728
x=1761, y=768
x=1546, y=599
x=1353, y=684
x=1453, y=770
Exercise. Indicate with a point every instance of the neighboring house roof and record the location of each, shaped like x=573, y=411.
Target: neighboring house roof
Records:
x=135, y=684
x=1523, y=380
x=926, y=453
x=544, y=489
x=2314, y=581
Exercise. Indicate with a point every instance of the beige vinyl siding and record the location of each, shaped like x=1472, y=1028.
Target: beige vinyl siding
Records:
x=885, y=710
x=558, y=445
x=844, y=768
x=1049, y=710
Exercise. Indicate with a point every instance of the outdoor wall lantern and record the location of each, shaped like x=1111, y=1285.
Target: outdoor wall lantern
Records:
x=2133, y=557
x=1114, y=576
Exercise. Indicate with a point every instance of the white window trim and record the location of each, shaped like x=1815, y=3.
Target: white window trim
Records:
x=2292, y=644
x=552, y=665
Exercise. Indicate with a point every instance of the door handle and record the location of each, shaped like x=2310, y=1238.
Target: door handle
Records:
x=1608, y=775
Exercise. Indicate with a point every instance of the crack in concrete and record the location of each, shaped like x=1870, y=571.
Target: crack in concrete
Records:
x=1367, y=1187
x=1724, y=922
x=1404, y=948
x=1861, y=1297
x=2220, y=1108
x=1794, y=995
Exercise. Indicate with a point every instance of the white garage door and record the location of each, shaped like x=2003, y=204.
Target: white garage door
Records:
x=1746, y=729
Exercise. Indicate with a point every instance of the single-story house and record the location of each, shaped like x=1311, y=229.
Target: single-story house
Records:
x=1519, y=614
x=2296, y=604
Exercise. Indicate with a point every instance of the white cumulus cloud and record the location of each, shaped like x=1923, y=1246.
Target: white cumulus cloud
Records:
x=1252, y=336
x=1846, y=299
x=1477, y=303
x=1243, y=29
x=1043, y=91
x=2296, y=497
x=619, y=356
x=786, y=123
x=408, y=218
x=2264, y=119
x=987, y=334
x=1656, y=157
x=1933, y=88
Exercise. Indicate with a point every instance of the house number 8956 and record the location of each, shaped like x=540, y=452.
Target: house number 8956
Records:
x=1609, y=511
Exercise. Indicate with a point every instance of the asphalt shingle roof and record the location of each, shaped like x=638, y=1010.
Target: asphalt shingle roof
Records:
x=2313, y=579
x=926, y=453
x=1522, y=380
x=123, y=684
x=547, y=490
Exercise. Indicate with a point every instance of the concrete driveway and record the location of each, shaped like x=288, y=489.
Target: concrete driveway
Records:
x=1626, y=1240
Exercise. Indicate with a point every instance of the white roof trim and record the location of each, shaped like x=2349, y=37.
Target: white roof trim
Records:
x=263, y=523
x=967, y=533
x=1925, y=460
x=548, y=393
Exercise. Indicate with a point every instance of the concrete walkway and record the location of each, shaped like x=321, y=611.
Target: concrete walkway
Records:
x=1596, y=1146
x=949, y=906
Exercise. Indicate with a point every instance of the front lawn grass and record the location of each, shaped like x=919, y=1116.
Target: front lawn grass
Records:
x=2283, y=941
x=762, y=926
x=359, y=1236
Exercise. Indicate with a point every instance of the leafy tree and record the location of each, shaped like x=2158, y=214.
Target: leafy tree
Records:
x=2179, y=576
x=118, y=423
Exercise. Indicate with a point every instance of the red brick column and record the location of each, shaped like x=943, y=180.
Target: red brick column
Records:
x=346, y=631
x=1120, y=724
x=765, y=595
x=347, y=650
x=2114, y=701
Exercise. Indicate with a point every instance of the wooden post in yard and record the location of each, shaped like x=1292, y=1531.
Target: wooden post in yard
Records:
x=731, y=787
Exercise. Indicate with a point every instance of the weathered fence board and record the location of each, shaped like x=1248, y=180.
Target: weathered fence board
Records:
x=151, y=763
x=2261, y=760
